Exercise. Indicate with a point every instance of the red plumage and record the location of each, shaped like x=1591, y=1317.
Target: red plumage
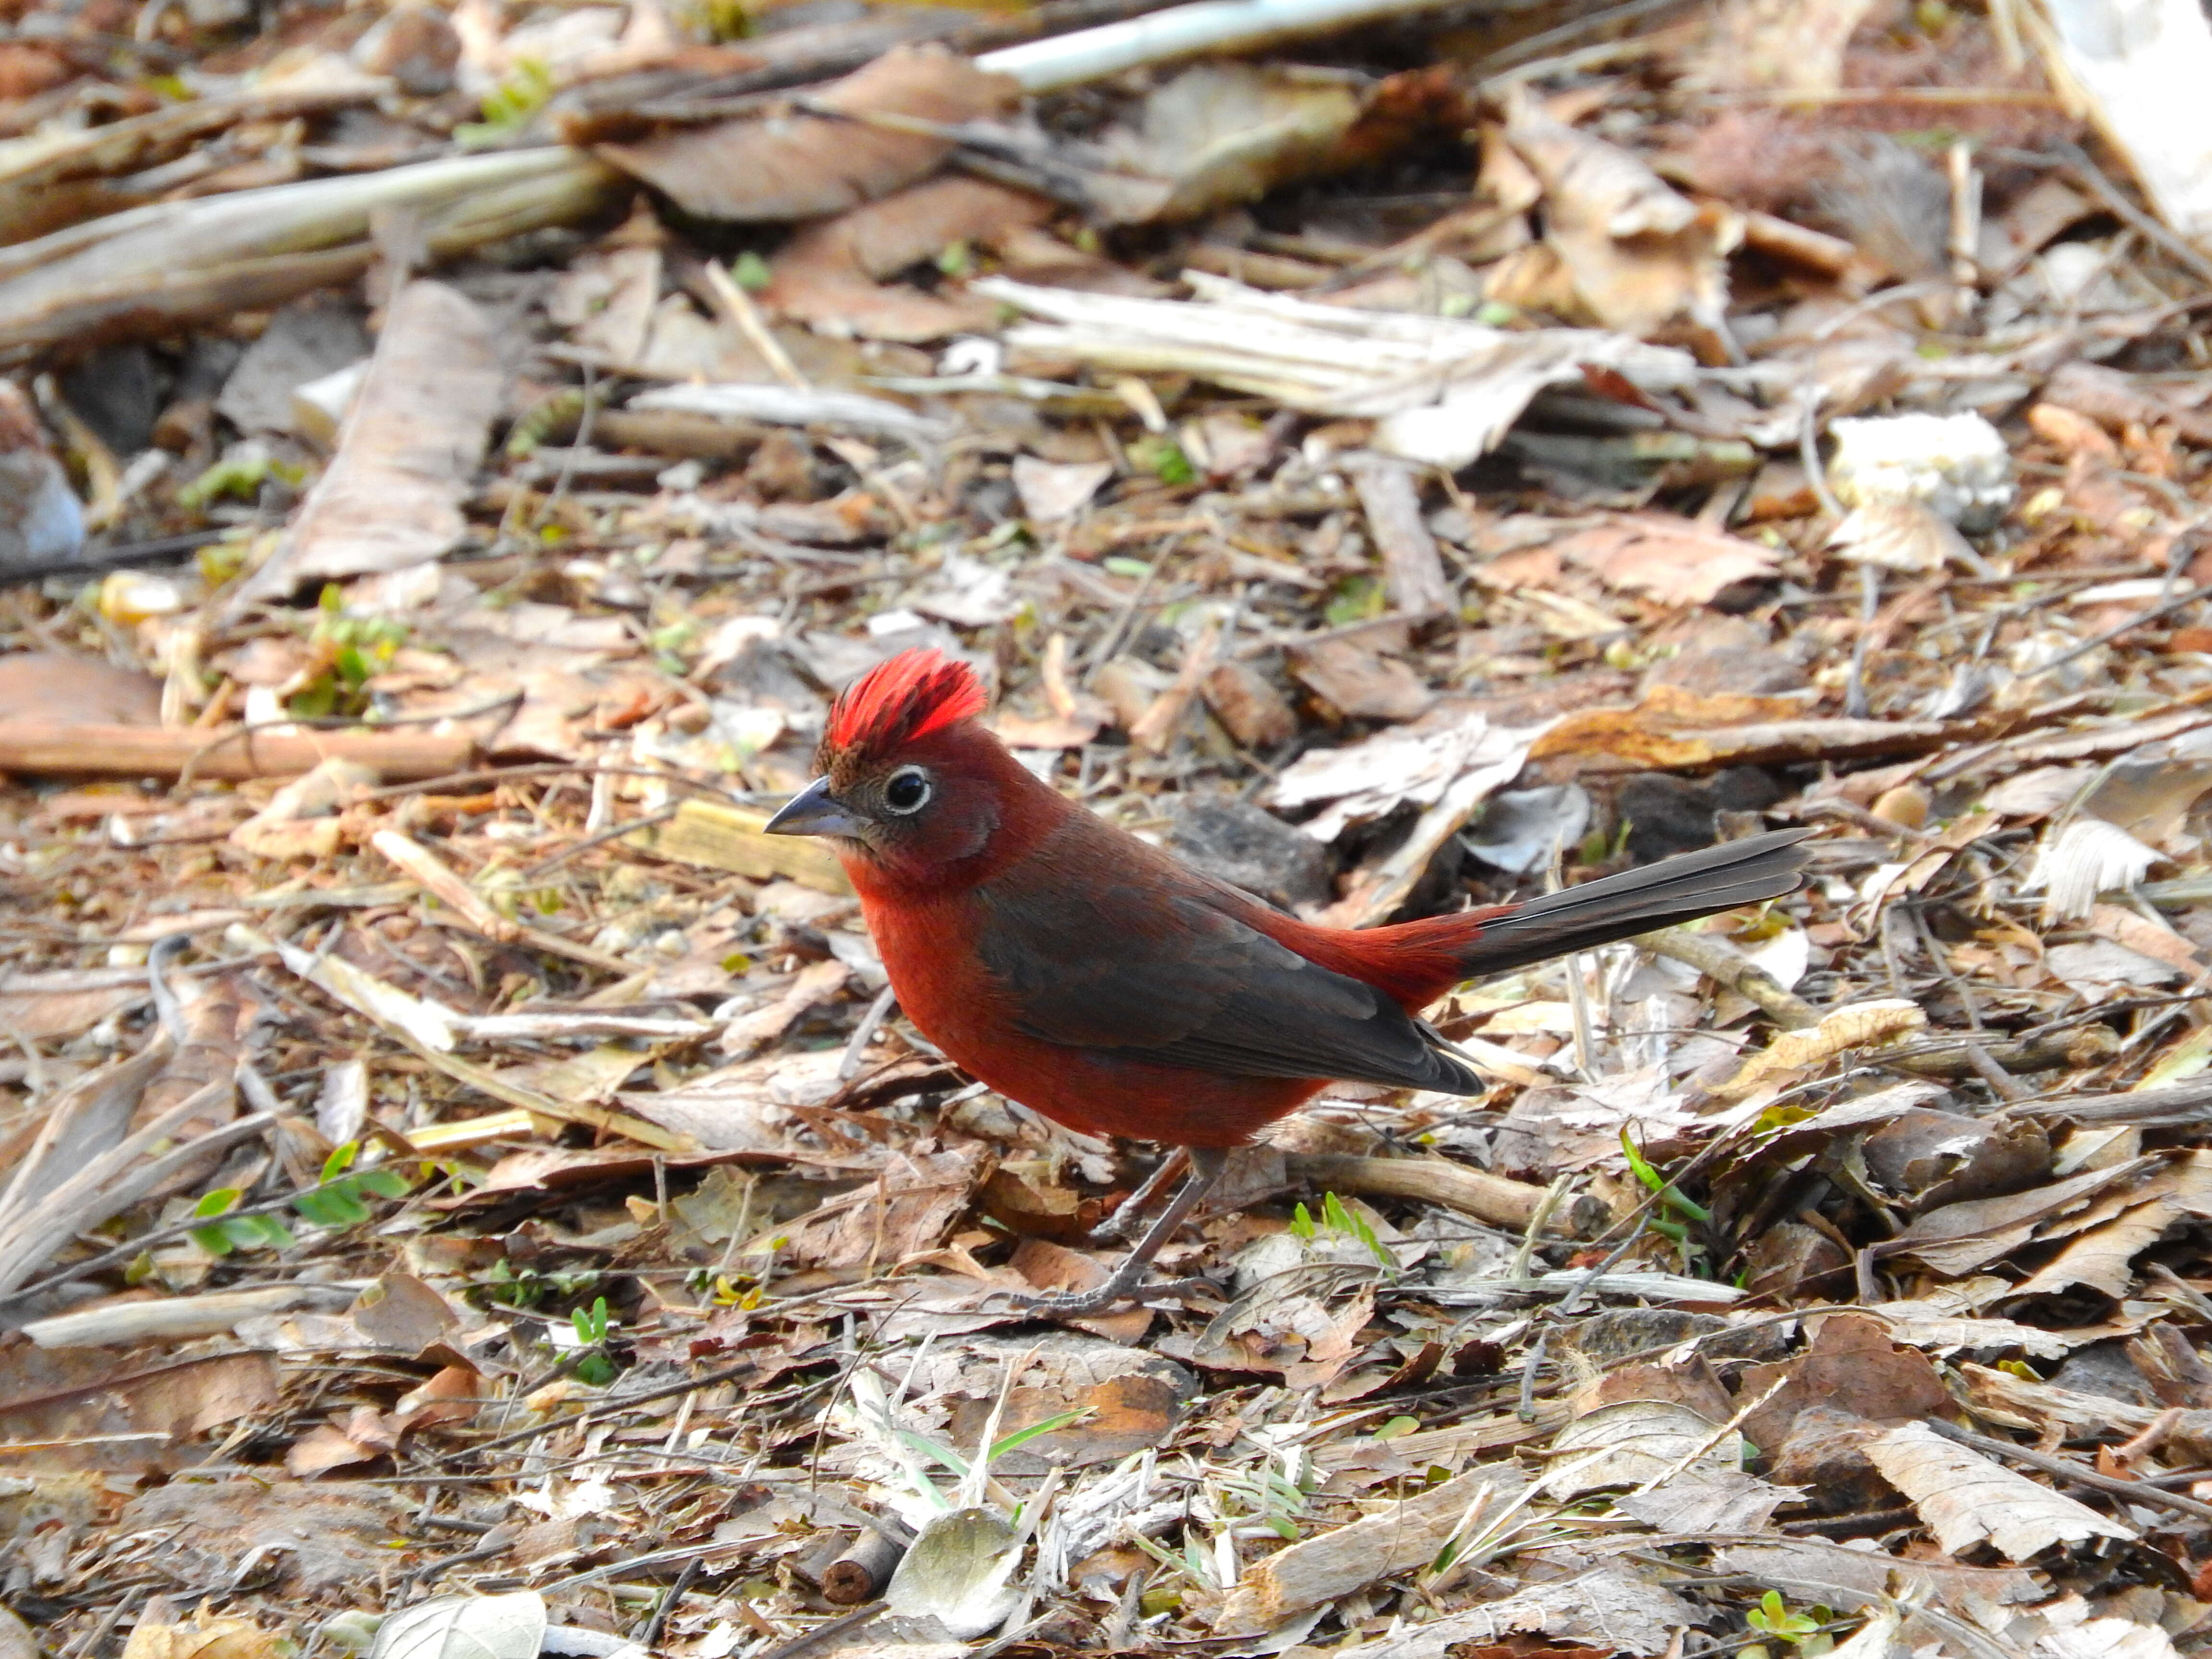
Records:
x=909, y=696
x=1096, y=978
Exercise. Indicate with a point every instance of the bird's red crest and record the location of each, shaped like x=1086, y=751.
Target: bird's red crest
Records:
x=914, y=693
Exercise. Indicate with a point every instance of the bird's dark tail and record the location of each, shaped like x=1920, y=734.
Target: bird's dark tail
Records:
x=1679, y=888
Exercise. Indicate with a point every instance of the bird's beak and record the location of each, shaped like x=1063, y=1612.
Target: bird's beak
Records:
x=814, y=812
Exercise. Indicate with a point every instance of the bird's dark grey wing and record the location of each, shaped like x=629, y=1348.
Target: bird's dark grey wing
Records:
x=1156, y=963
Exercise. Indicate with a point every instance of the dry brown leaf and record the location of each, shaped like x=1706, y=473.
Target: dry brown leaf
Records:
x=1130, y=1399
x=2020, y=1402
x=62, y=689
x=908, y=1209
x=1640, y=254
x=1794, y=45
x=32, y=1006
x=802, y=166
x=1714, y=1500
x=1607, y=1608
x=401, y=1311
x=1862, y=1025
x=1815, y=1563
x=1635, y=1441
x=1852, y=1367
x=1902, y=535
x=1053, y=490
x=1302, y=1339
x=326, y=1446
x=1361, y=685
x=812, y=985
x=1673, y=729
x=1670, y=559
x=216, y=1638
x=760, y=1105
x=91, y=1409
x=1219, y=134
x=1329, y=1565
x=392, y=496
x=1246, y=703
x=827, y=275
x=1968, y=1499
x=607, y=301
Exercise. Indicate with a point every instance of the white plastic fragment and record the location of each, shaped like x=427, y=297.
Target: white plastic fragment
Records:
x=1956, y=465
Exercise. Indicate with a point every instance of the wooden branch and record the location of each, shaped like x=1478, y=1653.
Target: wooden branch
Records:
x=1413, y=570
x=470, y=908
x=1511, y=1205
x=2052, y=1051
x=45, y=749
x=1331, y=1565
x=729, y=838
x=1722, y=962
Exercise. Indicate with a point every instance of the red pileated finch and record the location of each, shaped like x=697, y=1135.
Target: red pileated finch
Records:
x=1097, y=978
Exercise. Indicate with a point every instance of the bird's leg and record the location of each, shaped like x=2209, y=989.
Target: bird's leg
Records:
x=1121, y=1227
x=1206, y=1164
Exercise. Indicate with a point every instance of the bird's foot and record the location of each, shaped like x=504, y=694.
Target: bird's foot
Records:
x=1127, y=1223
x=1066, y=1305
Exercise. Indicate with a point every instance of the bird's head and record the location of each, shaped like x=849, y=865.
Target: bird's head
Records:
x=909, y=783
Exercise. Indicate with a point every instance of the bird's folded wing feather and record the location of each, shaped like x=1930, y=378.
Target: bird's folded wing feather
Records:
x=1153, y=962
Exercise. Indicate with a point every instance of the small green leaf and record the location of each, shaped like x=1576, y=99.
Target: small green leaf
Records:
x=1023, y=1437
x=221, y=1201
x=216, y=1241
x=596, y=1371
x=275, y=1235
x=750, y=273
x=341, y=1159
x=385, y=1183
x=929, y=1449
x=335, y=1206
x=1639, y=1165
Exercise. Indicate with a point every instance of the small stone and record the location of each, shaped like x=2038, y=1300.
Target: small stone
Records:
x=1906, y=805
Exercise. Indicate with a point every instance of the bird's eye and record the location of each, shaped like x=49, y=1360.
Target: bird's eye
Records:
x=907, y=791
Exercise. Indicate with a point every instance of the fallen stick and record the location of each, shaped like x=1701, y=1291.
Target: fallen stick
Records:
x=1722, y=962
x=1209, y=26
x=150, y=269
x=57, y=178
x=1511, y=1205
x=44, y=748
x=469, y=908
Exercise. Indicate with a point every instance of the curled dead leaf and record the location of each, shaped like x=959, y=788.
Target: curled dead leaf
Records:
x=1861, y=1025
x=1968, y=1499
x=800, y=167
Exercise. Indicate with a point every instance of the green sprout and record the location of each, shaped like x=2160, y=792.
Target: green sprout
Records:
x=508, y=108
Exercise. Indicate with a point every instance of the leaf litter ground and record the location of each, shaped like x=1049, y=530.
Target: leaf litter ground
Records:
x=463, y=1190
